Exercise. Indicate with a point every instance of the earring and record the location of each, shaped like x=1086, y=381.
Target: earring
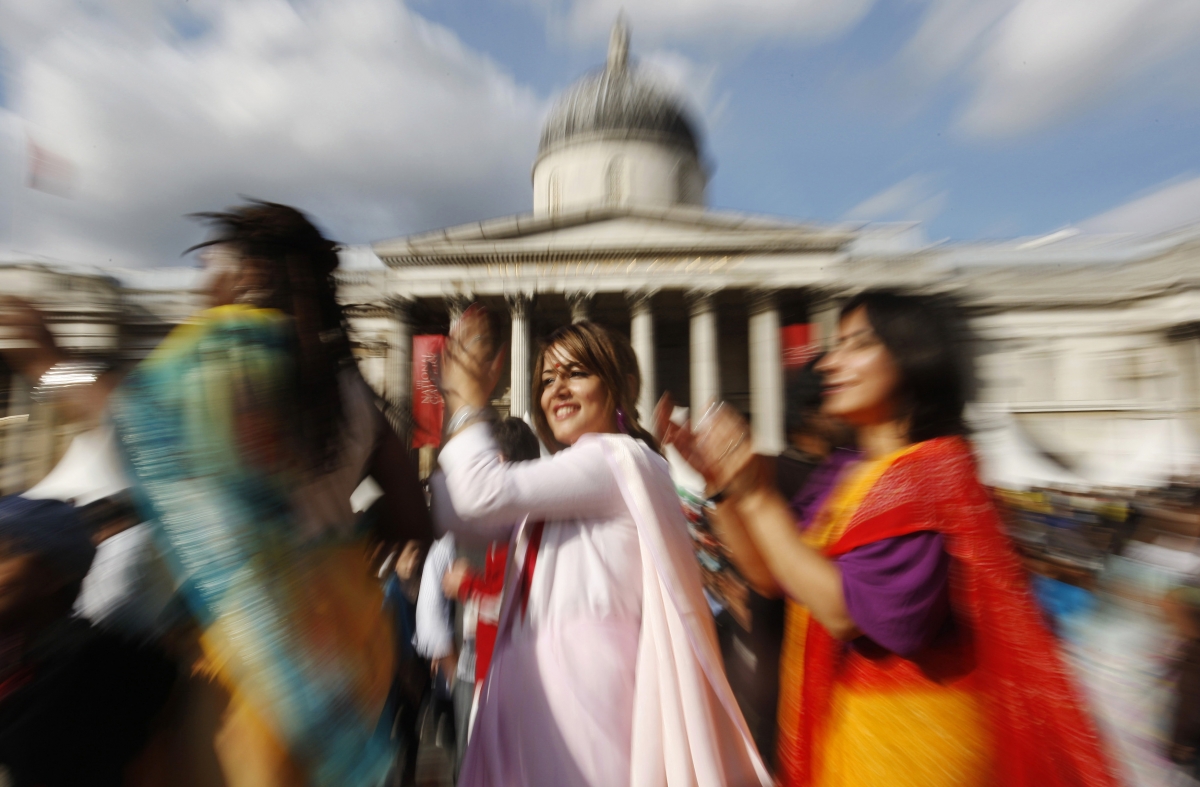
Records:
x=622, y=425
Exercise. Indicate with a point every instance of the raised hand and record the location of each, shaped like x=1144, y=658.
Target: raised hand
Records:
x=722, y=451
x=718, y=447
x=25, y=341
x=471, y=361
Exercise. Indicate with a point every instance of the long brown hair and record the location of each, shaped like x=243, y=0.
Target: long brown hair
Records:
x=300, y=262
x=609, y=356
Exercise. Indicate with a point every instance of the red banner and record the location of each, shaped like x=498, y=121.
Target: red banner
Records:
x=799, y=343
x=427, y=405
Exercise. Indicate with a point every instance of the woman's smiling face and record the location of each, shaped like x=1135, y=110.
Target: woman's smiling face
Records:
x=861, y=376
x=573, y=398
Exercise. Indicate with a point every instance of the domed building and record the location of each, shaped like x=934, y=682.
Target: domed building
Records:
x=618, y=138
x=619, y=233
x=1089, y=345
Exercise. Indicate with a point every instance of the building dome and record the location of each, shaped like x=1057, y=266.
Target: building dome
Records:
x=617, y=139
x=617, y=102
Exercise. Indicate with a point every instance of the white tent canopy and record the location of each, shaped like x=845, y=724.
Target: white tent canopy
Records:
x=89, y=470
x=1144, y=452
x=1008, y=458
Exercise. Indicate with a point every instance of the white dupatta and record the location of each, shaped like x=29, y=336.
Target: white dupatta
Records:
x=688, y=730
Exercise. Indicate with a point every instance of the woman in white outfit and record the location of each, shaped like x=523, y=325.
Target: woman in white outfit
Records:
x=606, y=669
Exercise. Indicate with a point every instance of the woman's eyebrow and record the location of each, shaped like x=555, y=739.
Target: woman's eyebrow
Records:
x=566, y=367
x=859, y=332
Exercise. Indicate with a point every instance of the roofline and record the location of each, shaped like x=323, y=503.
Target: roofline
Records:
x=487, y=238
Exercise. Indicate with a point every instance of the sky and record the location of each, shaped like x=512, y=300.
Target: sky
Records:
x=982, y=119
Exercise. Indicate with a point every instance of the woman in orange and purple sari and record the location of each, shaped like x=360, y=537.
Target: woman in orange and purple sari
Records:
x=914, y=653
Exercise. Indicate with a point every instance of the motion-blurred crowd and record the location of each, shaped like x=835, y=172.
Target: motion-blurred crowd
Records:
x=591, y=598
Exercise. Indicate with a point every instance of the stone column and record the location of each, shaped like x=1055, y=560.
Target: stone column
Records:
x=520, y=354
x=705, y=367
x=641, y=334
x=399, y=362
x=15, y=429
x=766, y=374
x=581, y=305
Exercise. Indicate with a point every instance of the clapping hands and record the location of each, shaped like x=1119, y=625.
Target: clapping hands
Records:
x=719, y=446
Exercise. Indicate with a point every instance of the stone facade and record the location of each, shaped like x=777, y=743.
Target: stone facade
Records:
x=1088, y=345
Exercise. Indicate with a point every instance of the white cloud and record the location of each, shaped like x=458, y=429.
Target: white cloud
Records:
x=1030, y=63
x=361, y=112
x=1167, y=207
x=916, y=198
x=726, y=21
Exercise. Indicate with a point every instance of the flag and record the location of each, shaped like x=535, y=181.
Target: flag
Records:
x=799, y=345
x=50, y=172
x=428, y=408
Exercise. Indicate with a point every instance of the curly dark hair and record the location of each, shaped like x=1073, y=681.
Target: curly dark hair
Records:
x=299, y=262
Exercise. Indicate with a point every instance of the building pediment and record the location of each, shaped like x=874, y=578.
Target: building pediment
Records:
x=605, y=232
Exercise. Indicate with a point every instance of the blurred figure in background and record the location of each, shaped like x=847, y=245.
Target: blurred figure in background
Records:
x=245, y=432
x=436, y=641
x=914, y=652
x=606, y=669
x=811, y=434
x=411, y=685
x=481, y=593
x=1182, y=606
x=77, y=704
x=129, y=589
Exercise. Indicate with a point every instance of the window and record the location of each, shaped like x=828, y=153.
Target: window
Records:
x=554, y=197
x=615, y=181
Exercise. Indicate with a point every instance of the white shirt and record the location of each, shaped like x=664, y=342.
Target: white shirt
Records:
x=558, y=704
x=435, y=626
x=589, y=563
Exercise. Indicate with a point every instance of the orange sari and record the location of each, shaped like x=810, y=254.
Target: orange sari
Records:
x=989, y=702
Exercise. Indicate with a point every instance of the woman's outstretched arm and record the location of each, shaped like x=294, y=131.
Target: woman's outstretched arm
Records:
x=720, y=449
x=487, y=492
x=800, y=571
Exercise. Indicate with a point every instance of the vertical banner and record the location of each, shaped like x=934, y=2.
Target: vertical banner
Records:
x=427, y=407
x=799, y=344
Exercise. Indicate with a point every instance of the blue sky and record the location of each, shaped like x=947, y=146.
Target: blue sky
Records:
x=813, y=129
x=981, y=118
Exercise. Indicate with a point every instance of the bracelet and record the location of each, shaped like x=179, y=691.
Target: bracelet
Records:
x=66, y=376
x=466, y=414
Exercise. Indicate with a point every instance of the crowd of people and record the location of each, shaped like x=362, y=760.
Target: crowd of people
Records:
x=560, y=630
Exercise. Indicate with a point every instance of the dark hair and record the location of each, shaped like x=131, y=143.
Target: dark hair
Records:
x=300, y=263
x=516, y=440
x=606, y=354
x=930, y=343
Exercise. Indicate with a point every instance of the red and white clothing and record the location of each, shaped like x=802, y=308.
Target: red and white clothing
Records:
x=484, y=593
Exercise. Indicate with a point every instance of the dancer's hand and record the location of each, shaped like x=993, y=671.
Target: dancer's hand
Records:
x=406, y=564
x=471, y=362
x=721, y=450
x=25, y=341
